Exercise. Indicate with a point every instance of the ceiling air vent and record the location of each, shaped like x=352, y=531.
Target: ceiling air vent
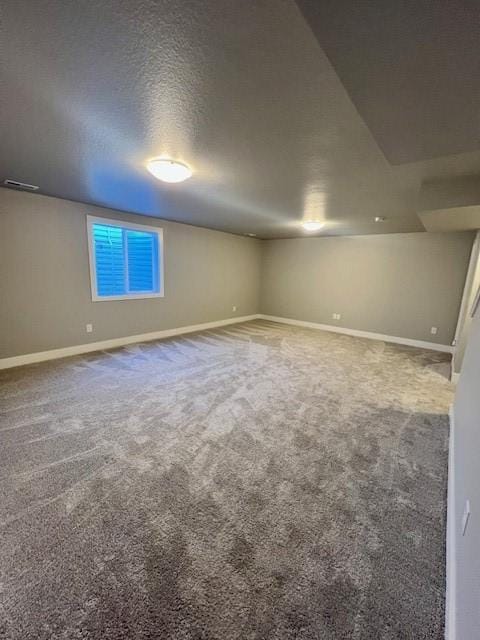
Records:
x=20, y=185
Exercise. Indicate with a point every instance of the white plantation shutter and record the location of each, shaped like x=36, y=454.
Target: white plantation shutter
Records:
x=142, y=261
x=126, y=261
x=109, y=260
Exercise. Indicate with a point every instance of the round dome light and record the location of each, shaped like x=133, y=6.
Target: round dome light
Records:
x=168, y=170
x=312, y=225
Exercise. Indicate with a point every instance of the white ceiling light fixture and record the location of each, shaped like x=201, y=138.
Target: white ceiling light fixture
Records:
x=168, y=170
x=312, y=225
x=380, y=218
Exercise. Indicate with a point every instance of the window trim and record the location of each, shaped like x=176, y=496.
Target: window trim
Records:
x=91, y=220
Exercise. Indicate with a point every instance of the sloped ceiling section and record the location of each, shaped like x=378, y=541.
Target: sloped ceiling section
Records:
x=450, y=204
x=411, y=68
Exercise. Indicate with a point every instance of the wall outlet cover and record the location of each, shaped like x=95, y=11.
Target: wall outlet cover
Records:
x=465, y=517
x=89, y=328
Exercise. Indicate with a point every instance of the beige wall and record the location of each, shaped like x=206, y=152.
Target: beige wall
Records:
x=472, y=285
x=45, y=298
x=466, y=484
x=398, y=284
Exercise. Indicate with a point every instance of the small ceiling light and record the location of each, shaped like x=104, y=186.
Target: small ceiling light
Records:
x=312, y=225
x=251, y=235
x=380, y=218
x=168, y=170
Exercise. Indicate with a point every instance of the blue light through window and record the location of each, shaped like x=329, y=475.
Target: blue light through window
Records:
x=126, y=261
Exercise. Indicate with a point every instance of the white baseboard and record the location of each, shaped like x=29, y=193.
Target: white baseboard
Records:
x=454, y=377
x=53, y=354
x=421, y=344
x=450, y=607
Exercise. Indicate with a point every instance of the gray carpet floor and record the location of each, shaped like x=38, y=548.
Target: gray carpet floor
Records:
x=257, y=482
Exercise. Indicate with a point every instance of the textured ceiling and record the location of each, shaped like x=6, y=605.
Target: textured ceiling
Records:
x=241, y=91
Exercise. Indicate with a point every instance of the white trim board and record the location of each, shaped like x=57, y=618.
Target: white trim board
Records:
x=455, y=377
x=421, y=344
x=53, y=354
x=450, y=608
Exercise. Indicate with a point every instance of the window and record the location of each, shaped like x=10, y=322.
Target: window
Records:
x=126, y=260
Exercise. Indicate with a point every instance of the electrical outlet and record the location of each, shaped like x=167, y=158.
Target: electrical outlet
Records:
x=234, y=308
x=433, y=331
x=89, y=328
x=336, y=316
x=465, y=517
